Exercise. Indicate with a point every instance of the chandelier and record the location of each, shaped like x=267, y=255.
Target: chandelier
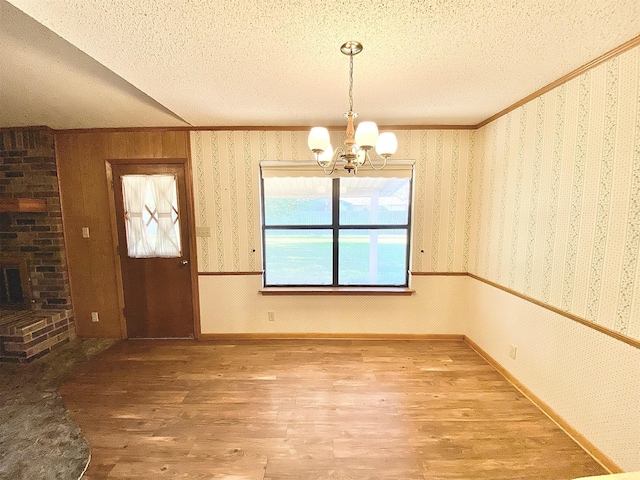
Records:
x=355, y=152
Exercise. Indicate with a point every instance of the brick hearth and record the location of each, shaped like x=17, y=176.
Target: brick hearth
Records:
x=26, y=335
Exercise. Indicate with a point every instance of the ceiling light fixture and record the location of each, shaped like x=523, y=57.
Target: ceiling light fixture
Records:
x=356, y=150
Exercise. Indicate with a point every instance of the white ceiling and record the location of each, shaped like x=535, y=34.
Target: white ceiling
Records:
x=123, y=63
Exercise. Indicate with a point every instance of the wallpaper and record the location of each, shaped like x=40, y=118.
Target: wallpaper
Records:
x=227, y=194
x=556, y=197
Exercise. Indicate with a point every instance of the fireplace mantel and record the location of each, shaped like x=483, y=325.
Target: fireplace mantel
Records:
x=23, y=205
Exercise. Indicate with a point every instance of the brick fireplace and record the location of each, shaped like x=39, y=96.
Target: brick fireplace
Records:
x=36, y=312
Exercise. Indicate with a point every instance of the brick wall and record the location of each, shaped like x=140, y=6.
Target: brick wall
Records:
x=28, y=170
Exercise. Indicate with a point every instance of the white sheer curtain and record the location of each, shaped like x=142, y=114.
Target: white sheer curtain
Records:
x=163, y=191
x=134, y=191
x=151, y=213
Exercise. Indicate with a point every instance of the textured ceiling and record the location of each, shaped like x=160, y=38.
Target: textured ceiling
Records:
x=274, y=63
x=44, y=80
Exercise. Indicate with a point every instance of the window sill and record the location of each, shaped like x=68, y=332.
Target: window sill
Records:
x=381, y=291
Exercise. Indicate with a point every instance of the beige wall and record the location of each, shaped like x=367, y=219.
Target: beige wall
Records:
x=227, y=203
x=233, y=304
x=556, y=216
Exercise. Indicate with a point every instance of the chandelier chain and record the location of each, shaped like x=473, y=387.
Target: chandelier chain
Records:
x=351, y=83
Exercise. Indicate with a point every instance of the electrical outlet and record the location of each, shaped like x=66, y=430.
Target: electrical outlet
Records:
x=271, y=315
x=94, y=317
x=513, y=350
x=85, y=232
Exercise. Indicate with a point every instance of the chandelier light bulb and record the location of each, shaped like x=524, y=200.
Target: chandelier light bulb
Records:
x=318, y=140
x=387, y=144
x=367, y=135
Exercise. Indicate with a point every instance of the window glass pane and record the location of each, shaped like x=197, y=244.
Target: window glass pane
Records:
x=298, y=257
x=152, y=221
x=297, y=201
x=373, y=257
x=374, y=201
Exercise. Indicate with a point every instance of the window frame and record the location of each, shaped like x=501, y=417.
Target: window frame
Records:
x=335, y=227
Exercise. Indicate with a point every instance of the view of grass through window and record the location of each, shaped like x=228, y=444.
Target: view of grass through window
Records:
x=336, y=232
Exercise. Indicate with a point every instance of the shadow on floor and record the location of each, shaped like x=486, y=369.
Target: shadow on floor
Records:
x=38, y=438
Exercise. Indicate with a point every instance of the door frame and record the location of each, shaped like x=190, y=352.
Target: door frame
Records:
x=190, y=225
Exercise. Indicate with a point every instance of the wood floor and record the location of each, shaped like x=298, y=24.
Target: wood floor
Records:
x=304, y=409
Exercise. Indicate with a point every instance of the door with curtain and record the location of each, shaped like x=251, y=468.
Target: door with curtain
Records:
x=153, y=247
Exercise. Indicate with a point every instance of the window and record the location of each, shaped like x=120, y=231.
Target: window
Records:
x=348, y=231
x=151, y=216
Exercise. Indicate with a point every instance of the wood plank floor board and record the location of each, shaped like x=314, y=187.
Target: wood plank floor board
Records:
x=347, y=469
x=312, y=409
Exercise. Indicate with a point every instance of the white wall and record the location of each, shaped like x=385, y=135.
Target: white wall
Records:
x=233, y=304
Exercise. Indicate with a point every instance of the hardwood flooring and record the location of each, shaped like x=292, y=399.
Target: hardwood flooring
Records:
x=312, y=409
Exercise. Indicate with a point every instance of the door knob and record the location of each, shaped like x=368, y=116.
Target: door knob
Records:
x=184, y=262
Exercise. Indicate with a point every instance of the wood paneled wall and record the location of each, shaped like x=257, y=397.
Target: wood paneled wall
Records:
x=85, y=198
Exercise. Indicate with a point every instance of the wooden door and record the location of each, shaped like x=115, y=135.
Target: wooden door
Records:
x=158, y=301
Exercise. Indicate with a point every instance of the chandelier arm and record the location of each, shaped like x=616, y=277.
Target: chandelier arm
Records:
x=384, y=162
x=334, y=162
x=324, y=169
